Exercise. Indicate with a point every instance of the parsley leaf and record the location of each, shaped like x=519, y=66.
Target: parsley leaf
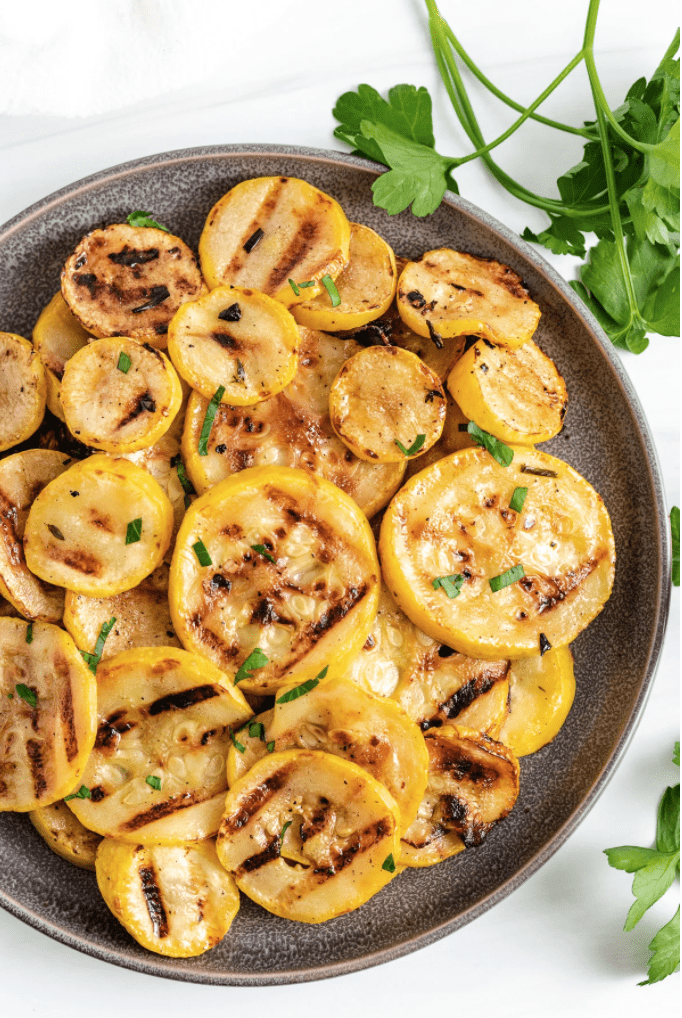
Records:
x=675, y=535
x=256, y=659
x=257, y=730
x=82, y=793
x=29, y=633
x=262, y=550
x=92, y=660
x=450, y=584
x=207, y=426
x=134, y=531
x=517, y=499
x=414, y=448
x=388, y=864
x=507, y=578
x=154, y=782
x=239, y=746
x=666, y=948
x=27, y=694
x=202, y=553
x=305, y=687
x=498, y=450
x=140, y=218
x=124, y=362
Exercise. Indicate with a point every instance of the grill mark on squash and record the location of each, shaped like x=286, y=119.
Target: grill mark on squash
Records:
x=66, y=708
x=143, y=403
x=301, y=245
x=162, y=810
x=111, y=730
x=154, y=901
x=255, y=800
x=358, y=843
x=9, y=521
x=75, y=558
x=549, y=591
x=254, y=862
x=183, y=699
x=34, y=752
x=477, y=686
x=130, y=256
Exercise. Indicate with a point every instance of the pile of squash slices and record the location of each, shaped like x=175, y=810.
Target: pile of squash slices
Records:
x=287, y=587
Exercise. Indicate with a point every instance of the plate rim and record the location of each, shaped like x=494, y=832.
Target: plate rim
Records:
x=159, y=966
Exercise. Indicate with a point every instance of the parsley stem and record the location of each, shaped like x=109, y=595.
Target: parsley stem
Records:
x=478, y=73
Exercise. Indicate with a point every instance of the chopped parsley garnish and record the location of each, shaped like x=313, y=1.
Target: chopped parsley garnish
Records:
x=517, y=499
x=308, y=282
x=82, y=793
x=295, y=288
x=330, y=287
x=140, y=218
x=389, y=864
x=201, y=552
x=270, y=746
x=256, y=659
x=26, y=694
x=124, y=362
x=155, y=782
x=675, y=535
x=257, y=730
x=211, y=411
x=537, y=471
x=414, y=448
x=92, y=660
x=29, y=633
x=500, y=452
x=185, y=482
x=450, y=584
x=134, y=531
x=55, y=531
x=284, y=831
x=507, y=578
x=237, y=745
x=304, y=688
x=262, y=550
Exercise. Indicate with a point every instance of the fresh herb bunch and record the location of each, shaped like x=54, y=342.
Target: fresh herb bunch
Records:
x=655, y=869
x=625, y=190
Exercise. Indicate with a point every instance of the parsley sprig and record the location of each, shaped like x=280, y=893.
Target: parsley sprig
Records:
x=624, y=190
x=655, y=869
x=92, y=660
x=140, y=218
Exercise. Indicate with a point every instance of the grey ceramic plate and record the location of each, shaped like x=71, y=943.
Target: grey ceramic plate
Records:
x=606, y=438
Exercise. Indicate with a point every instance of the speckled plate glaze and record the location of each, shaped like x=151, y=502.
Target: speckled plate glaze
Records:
x=606, y=438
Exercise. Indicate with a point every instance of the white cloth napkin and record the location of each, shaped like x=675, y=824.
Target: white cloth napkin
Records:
x=83, y=57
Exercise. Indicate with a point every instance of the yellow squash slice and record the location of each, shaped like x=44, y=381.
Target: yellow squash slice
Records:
x=268, y=230
x=516, y=395
x=129, y=281
x=454, y=437
x=448, y=293
x=445, y=686
x=142, y=617
x=392, y=650
x=235, y=340
x=542, y=692
x=99, y=528
x=22, y=477
x=251, y=743
x=57, y=336
x=387, y=405
x=61, y=829
x=473, y=783
x=366, y=286
x=119, y=396
x=48, y=714
x=23, y=388
x=339, y=717
x=290, y=429
x=175, y=900
x=453, y=522
x=309, y=836
x=157, y=772
x=279, y=560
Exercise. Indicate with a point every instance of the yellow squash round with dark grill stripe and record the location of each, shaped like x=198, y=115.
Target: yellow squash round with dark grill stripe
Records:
x=309, y=836
x=175, y=900
x=454, y=520
x=48, y=714
x=280, y=560
x=23, y=390
x=157, y=771
x=268, y=230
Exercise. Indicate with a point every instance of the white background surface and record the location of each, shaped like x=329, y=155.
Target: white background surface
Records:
x=271, y=73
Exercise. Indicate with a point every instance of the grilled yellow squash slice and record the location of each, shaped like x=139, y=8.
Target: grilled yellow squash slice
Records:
x=48, y=714
x=22, y=476
x=306, y=835
x=268, y=230
x=516, y=395
x=291, y=429
x=129, y=281
x=444, y=686
x=99, y=528
x=251, y=742
x=23, y=388
x=61, y=829
x=119, y=396
x=157, y=772
x=454, y=437
x=453, y=522
x=235, y=340
x=366, y=286
x=175, y=900
x=387, y=405
x=57, y=336
x=473, y=783
x=279, y=560
x=142, y=617
x=339, y=717
x=542, y=692
x=448, y=293
x=392, y=650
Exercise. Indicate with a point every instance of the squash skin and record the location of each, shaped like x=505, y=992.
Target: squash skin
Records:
x=63, y=832
x=542, y=692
